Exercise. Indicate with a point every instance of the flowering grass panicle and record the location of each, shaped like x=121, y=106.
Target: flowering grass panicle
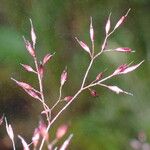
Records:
x=41, y=133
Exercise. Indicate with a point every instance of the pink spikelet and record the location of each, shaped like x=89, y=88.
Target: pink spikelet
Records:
x=33, y=35
x=61, y=131
x=66, y=143
x=132, y=68
x=123, y=69
x=84, y=46
x=42, y=130
x=1, y=119
x=91, y=30
x=23, y=84
x=99, y=76
x=64, y=76
x=68, y=98
x=117, y=90
x=121, y=20
x=41, y=70
x=107, y=27
x=28, y=89
x=120, y=69
x=124, y=49
x=93, y=93
x=28, y=68
x=36, y=137
x=29, y=47
x=24, y=144
x=9, y=130
x=47, y=58
x=32, y=94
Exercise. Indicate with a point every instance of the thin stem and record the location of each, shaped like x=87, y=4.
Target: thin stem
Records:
x=104, y=44
x=54, y=142
x=47, y=108
x=14, y=148
x=98, y=83
x=39, y=79
x=41, y=88
x=59, y=99
x=92, y=48
x=87, y=71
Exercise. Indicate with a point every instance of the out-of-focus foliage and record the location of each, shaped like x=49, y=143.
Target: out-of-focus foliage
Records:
x=107, y=122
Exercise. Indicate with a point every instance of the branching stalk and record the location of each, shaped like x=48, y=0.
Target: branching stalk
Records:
x=41, y=90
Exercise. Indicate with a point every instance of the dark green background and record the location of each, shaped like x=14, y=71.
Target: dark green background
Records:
x=107, y=122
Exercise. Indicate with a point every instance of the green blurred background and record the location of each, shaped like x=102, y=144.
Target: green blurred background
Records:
x=107, y=122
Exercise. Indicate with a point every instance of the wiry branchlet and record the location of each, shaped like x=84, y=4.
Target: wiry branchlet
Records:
x=46, y=111
x=64, y=77
x=24, y=143
x=61, y=131
x=104, y=45
x=36, y=137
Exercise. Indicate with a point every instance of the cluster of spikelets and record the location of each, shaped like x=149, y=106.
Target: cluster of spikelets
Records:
x=41, y=133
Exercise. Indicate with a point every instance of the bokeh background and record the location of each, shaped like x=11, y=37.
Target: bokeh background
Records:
x=107, y=122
